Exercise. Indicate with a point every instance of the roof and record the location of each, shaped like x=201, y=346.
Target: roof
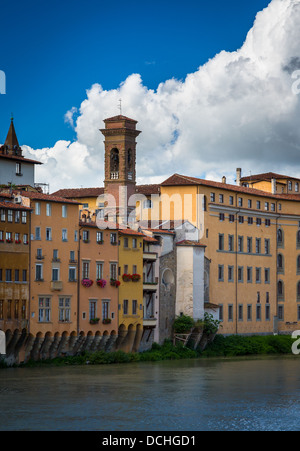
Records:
x=150, y=239
x=79, y=193
x=267, y=176
x=189, y=243
x=177, y=180
x=120, y=117
x=46, y=197
x=130, y=232
x=13, y=206
x=20, y=159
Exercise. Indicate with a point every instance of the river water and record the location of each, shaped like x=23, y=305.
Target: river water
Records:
x=189, y=395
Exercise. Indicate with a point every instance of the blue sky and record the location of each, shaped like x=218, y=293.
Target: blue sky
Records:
x=52, y=52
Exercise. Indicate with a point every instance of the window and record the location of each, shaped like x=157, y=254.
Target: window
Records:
x=221, y=242
x=258, y=221
x=298, y=239
x=64, y=235
x=267, y=310
x=249, y=203
x=3, y=216
x=221, y=273
x=85, y=270
x=279, y=237
x=240, y=274
x=257, y=245
x=280, y=313
x=221, y=198
x=231, y=218
x=240, y=312
x=272, y=207
x=93, y=309
x=280, y=266
x=221, y=217
x=24, y=275
x=64, y=211
x=240, y=244
x=258, y=275
x=8, y=275
x=113, y=238
x=25, y=238
x=230, y=243
x=134, y=243
x=290, y=186
x=48, y=209
x=250, y=220
x=280, y=290
x=125, y=306
x=230, y=312
x=267, y=222
x=267, y=246
x=279, y=207
x=72, y=256
x=17, y=275
x=17, y=217
x=221, y=312
x=44, y=309
x=230, y=200
x=105, y=309
x=258, y=313
x=126, y=242
x=55, y=255
x=230, y=274
x=9, y=216
x=48, y=234
x=147, y=204
x=266, y=206
x=24, y=217
x=240, y=201
x=241, y=219
x=113, y=271
x=38, y=233
x=76, y=235
x=37, y=208
x=72, y=274
x=267, y=275
x=249, y=274
x=64, y=309
x=38, y=272
x=249, y=312
x=212, y=197
x=18, y=169
x=99, y=271
x=134, y=307
x=85, y=236
x=99, y=237
x=9, y=237
x=249, y=245
x=204, y=203
x=55, y=274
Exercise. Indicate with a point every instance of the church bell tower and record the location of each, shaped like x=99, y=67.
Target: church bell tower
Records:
x=120, y=162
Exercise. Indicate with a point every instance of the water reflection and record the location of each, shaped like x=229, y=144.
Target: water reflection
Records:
x=195, y=395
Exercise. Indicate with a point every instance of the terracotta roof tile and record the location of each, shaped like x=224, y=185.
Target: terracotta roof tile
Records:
x=77, y=193
x=21, y=159
x=267, y=176
x=13, y=206
x=46, y=197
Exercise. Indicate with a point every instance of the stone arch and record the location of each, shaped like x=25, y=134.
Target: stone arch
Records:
x=114, y=163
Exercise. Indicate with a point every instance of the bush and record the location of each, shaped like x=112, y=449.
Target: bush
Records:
x=183, y=324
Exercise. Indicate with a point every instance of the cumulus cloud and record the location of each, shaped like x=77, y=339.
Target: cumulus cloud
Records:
x=237, y=110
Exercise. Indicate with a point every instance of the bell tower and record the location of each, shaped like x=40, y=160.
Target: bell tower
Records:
x=120, y=161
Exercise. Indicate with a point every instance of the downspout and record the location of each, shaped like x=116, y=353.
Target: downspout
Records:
x=78, y=282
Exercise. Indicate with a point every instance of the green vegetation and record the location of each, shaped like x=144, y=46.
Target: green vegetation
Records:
x=237, y=345
x=185, y=323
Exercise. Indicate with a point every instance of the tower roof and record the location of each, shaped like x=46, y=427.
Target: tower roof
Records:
x=11, y=140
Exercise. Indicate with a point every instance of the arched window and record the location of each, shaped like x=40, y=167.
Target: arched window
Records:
x=279, y=237
x=129, y=165
x=114, y=164
x=298, y=291
x=298, y=238
x=280, y=265
x=280, y=289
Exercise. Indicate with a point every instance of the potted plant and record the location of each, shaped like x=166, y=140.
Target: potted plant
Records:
x=94, y=321
x=106, y=321
x=87, y=283
x=135, y=277
x=101, y=283
x=126, y=277
x=115, y=283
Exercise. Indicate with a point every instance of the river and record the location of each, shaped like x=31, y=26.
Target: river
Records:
x=189, y=395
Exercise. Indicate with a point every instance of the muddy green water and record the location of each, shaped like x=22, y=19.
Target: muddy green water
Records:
x=190, y=395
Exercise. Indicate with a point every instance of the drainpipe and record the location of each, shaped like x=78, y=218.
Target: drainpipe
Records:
x=78, y=282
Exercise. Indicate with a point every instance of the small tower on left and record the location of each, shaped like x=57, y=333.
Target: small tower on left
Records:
x=15, y=169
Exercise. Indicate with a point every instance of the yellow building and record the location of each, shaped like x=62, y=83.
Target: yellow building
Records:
x=130, y=263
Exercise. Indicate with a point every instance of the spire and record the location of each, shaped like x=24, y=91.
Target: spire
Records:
x=11, y=140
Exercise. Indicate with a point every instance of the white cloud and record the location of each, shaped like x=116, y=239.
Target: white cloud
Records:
x=237, y=110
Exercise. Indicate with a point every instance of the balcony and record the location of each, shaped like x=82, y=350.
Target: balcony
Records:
x=150, y=256
x=56, y=285
x=150, y=284
x=150, y=322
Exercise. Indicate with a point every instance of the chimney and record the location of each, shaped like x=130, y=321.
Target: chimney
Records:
x=238, y=176
x=273, y=182
x=224, y=180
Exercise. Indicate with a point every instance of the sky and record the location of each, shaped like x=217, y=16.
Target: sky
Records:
x=210, y=84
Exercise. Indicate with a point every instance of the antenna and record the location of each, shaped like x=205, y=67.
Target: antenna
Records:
x=120, y=106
